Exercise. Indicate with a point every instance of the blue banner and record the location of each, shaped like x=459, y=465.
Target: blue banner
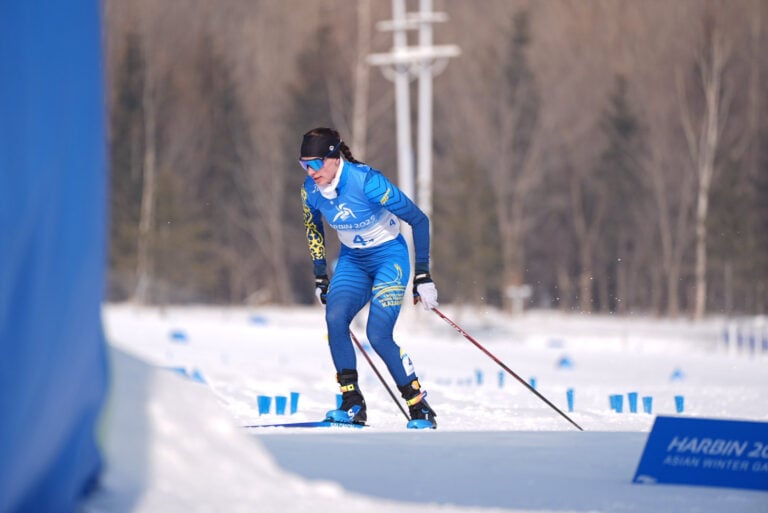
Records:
x=706, y=452
x=53, y=224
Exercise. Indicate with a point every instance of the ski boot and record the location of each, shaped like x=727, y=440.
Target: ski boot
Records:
x=422, y=415
x=352, y=409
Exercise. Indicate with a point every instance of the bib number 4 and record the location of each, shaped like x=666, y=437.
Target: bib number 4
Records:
x=360, y=240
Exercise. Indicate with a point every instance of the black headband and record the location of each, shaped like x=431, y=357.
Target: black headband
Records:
x=320, y=145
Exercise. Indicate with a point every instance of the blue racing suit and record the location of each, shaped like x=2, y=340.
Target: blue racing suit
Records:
x=373, y=264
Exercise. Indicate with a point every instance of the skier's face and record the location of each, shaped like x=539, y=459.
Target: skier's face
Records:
x=325, y=174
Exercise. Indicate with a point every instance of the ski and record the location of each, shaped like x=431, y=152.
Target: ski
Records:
x=310, y=424
x=414, y=424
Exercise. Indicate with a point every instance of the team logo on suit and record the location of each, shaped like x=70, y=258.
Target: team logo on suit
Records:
x=343, y=213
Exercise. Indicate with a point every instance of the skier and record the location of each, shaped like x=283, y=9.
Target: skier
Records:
x=365, y=209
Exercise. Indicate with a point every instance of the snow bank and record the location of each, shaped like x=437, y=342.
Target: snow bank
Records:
x=177, y=444
x=170, y=447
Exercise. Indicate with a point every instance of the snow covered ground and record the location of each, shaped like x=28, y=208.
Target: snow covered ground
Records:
x=175, y=442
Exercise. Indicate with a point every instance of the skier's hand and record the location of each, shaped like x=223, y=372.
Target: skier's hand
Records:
x=321, y=288
x=424, y=290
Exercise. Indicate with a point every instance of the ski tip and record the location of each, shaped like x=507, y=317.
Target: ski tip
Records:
x=421, y=424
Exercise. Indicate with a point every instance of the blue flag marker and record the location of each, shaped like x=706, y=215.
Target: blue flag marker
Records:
x=706, y=452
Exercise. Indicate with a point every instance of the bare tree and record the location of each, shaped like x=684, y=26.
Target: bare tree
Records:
x=262, y=179
x=576, y=69
x=703, y=129
x=144, y=261
x=148, y=28
x=652, y=62
x=515, y=174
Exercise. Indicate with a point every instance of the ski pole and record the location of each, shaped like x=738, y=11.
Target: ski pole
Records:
x=521, y=380
x=381, y=378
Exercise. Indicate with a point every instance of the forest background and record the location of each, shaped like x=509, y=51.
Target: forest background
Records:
x=610, y=154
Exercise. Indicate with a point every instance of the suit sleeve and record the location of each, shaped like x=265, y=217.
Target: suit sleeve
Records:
x=379, y=189
x=313, y=222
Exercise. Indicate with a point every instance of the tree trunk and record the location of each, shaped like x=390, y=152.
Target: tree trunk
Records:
x=145, y=260
x=703, y=145
x=564, y=286
x=585, y=231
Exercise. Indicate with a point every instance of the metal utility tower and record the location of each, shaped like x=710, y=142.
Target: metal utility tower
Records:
x=401, y=65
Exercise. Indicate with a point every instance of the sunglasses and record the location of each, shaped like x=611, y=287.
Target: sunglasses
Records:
x=317, y=164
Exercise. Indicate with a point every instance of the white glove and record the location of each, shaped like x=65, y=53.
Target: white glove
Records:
x=424, y=290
